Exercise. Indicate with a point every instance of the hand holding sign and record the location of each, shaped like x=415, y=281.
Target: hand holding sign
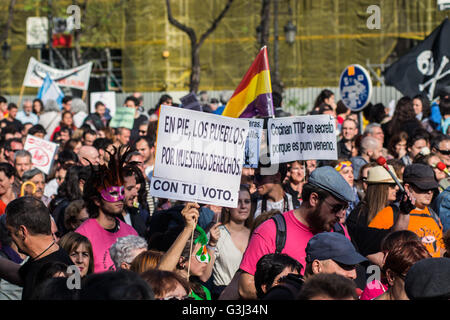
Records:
x=190, y=214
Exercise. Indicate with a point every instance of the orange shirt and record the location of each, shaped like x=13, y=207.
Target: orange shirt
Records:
x=421, y=223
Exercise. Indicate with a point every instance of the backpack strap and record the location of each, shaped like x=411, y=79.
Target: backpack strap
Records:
x=395, y=212
x=432, y=215
x=338, y=228
x=280, y=223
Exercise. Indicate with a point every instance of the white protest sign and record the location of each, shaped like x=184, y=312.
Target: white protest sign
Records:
x=42, y=152
x=253, y=143
x=302, y=138
x=77, y=78
x=107, y=97
x=199, y=157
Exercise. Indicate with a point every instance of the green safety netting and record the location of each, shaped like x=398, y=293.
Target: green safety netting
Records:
x=330, y=35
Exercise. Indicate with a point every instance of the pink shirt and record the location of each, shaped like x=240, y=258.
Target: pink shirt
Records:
x=102, y=240
x=373, y=289
x=263, y=238
x=262, y=242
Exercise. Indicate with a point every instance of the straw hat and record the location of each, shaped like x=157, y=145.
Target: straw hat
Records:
x=379, y=174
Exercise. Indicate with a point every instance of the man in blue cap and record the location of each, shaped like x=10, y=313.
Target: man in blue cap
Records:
x=332, y=252
x=325, y=199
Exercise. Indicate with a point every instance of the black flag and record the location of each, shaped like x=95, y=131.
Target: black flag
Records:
x=426, y=68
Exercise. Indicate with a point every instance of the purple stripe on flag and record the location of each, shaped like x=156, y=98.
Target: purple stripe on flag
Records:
x=262, y=106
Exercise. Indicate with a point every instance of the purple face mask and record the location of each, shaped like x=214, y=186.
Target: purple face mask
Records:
x=113, y=194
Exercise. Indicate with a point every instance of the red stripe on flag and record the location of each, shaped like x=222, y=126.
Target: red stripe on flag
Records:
x=260, y=63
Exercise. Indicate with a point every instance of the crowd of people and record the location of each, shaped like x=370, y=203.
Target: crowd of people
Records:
x=345, y=229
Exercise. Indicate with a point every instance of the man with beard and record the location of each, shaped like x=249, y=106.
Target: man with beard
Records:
x=325, y=199
x=104, y=197
x=131, y=214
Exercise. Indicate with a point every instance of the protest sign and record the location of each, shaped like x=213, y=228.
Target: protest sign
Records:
x=302, y=138
x=107, y=97
x=193, y=192
x=124, y=118
x=199, y=157
x=42, y=152
x=253, y=143
x=77, y=78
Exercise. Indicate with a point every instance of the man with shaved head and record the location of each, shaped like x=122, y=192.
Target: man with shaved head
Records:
x=371, y=148
x=89, y=155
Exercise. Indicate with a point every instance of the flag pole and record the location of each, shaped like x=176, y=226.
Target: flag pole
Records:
x=21, y=94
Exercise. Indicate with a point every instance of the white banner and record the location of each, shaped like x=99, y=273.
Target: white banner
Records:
x=201, y=149
x=77, y=78
x=252, y=146
x=107, y=97
x=42, y=152
x=192, y=192
x=302, y=138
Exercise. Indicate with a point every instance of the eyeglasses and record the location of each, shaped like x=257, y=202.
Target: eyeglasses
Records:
x=338, y=207
x=142, y=131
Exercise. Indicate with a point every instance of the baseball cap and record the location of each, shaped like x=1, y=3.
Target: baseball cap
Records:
x=429, y=278
x=328, y=179
x=420, y=175
x=332, y=245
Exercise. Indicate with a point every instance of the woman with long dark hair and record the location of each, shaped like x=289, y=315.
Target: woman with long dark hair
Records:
x=381, y=192
x=71, y=189
x=325, y=96
x=422, y=109
x=404, y=119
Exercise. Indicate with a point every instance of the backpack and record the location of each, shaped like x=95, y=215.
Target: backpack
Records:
x=280, y=224
x=433, y=214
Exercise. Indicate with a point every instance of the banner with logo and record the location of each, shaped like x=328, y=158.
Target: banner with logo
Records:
x=42, y=152
x=77, y=78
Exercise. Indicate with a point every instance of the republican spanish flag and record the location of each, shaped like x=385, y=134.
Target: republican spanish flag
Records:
x=253, y=96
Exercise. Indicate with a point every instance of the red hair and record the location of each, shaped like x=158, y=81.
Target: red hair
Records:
x=402, y=255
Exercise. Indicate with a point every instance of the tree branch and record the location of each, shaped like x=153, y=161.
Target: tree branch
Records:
x=4, y=35
x=190, y=32
x=215, y=23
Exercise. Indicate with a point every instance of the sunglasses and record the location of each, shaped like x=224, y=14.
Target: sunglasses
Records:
x=418, y=190
x=346, y=267
x=338, y=207
x=444, y=152
x=177, y=298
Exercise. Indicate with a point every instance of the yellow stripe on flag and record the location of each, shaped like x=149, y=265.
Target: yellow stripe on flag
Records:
x=260, y=84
